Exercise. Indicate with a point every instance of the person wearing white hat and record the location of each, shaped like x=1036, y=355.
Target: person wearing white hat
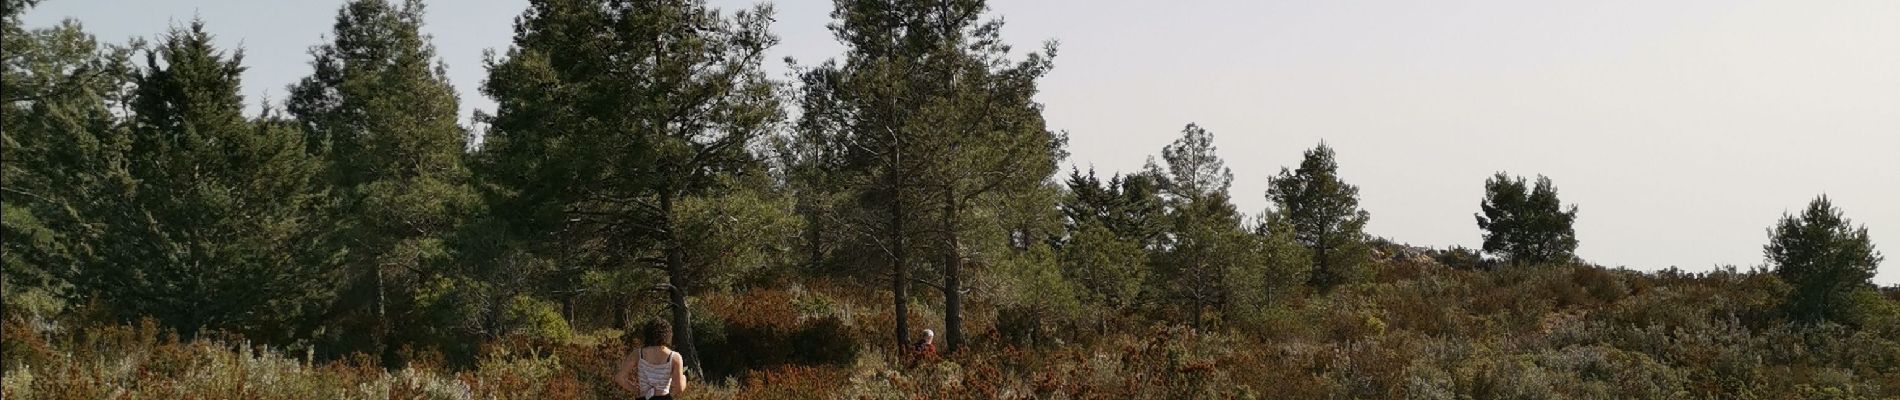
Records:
x=927, y=345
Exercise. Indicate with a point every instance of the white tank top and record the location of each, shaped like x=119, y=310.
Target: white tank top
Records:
x=656, y=379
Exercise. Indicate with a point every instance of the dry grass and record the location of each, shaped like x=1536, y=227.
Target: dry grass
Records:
x=1421, y=333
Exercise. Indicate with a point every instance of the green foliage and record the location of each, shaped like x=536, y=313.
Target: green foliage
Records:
x=1461, y=257
x=381, y=113
x=60, y=150
x=564, y=97
x=1825, y=258
x=535, y=318
x=1110, y=227
x=1207, y=249
x=1526, y=225
x=1325, y=215
x=762, y=329
x=1110, y=270
x=747, y=232
x=612, y=116
x=1194, y=171
x=1687, y=336
x=1204, y=242
x=11, y=9
x=931, y=127
x=214, y=224
x=1875, y=313
x=1130, y=206
x=1036, y=304
x=1272, y=276
x=1204, y=259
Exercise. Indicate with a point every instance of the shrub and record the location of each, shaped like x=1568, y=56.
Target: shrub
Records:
x=1603, y=286
x=1875, y=313
x=535, y=318
x=1019, y=325
x=1442, y=334
x=1463, y=258
x=793, y=382
x=767, y=328
x=823, y=341
x=1505, y=378
x=1345, y=322
x=1607, y=372
x=1431, y=305
x=1825, y=258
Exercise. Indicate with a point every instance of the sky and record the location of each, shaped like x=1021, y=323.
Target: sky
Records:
x=1682, y=129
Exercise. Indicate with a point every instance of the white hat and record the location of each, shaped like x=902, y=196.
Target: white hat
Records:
x=927, y=332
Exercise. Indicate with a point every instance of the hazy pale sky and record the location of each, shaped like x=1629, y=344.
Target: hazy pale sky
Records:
x=1682, y=128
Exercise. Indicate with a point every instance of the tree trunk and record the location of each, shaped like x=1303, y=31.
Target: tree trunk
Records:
x=953, y=302
x=676, y=293
x=682, y=315
x=491, y=316
x=1196, y=309
x=623, y=318
x=814, y=242
x=567, y=307
x=1320, y=269
x=952, y=287
x=899, y=277
x=383, y=342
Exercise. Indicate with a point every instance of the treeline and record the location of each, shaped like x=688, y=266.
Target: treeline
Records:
x=639, y=158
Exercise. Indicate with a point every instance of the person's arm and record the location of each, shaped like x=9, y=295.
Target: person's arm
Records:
x=679, y=374
x=624, y=378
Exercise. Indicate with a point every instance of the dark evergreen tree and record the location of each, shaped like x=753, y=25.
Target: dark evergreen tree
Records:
x=1194, y=172
x=1825, y=258
x=381, y=112
x=1526, y=225
x=1325, y=216
x=1110, y=226
x=612, y=113
x=1280, y=269
x=216, y=230
x=1204, y=248
x=860, y=177
x=1129, y=206
x=61, y=155
x=993, y=158
x=929, y=121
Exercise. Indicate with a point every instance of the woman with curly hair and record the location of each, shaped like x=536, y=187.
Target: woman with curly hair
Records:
x=654, y=371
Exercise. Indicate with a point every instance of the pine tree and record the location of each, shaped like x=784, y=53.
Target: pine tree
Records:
x=856, y=155
x=1194, y=171
x=216, y=230
x=1110, y=226
x=1526, y=225
x=1279, y=269
x=930, y=119
x=1129, y=206
x=994, y=155
x=61, y=150
x=1825, y=258
x=612, y=114
x=382, y=113
x=1204, y=247
x=1325, y=216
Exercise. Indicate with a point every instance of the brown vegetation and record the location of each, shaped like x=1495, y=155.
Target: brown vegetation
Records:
x=1416, y=329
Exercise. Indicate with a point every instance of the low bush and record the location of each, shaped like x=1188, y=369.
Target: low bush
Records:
x=1546, y=332
x=765, y=329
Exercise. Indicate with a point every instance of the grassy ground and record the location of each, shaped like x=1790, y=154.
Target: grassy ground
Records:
x=1415, y=330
